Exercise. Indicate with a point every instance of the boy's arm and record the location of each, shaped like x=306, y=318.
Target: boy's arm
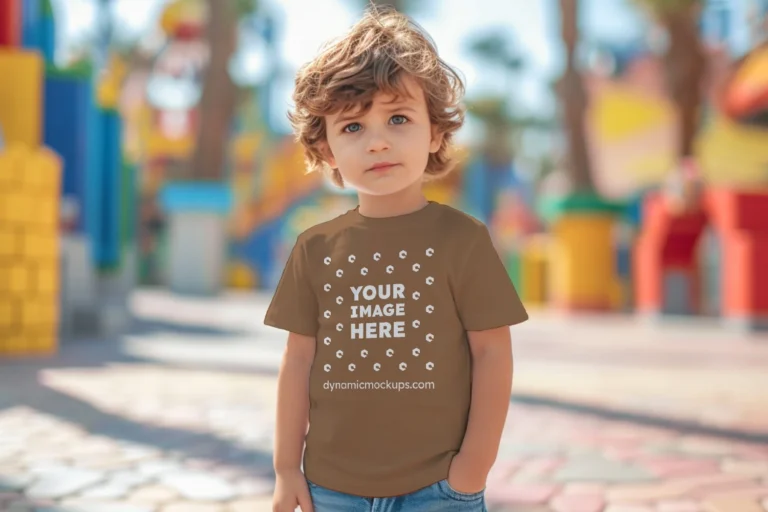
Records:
x=492, y=369
x=293, y=402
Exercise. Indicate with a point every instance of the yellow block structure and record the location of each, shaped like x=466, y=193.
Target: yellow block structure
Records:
x=533, y=270
x=29, y=267
x=582, y=259
x=21, y=96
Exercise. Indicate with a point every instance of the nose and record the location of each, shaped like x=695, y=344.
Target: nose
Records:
x=377, y=142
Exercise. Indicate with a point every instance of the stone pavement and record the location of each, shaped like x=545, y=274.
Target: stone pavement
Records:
x=693, y=373
x=179, y=417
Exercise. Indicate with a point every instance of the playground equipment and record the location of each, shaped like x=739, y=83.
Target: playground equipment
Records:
x=582, y=255
x=29, y=275
x=277, y=190
x=746, y=97
x=66, y=191
x=29, y=176
x=29, y=184
x=669, y=274
x=238, y=221
x=83, y=125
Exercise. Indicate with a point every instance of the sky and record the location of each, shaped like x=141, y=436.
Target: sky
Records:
x=533, y=25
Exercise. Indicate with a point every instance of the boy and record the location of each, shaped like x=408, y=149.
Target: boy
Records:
x=398, y=312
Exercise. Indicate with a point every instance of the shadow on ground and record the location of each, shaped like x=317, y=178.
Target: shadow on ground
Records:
x=21, y=386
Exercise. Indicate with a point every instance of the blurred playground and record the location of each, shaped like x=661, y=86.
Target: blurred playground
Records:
x=116, y=174
x=150, y=193
x=106, y=140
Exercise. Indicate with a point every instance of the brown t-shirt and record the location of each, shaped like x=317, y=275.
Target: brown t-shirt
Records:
x=389, y=301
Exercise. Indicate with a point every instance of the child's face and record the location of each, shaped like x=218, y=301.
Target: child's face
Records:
x=397, y=135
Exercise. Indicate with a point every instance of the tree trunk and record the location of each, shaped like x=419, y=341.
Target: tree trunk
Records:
x=219, y=98
x=574, y=102
x=685, y=67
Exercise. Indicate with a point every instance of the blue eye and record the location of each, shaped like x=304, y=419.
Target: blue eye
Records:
x=403, y=118
x=349, y=127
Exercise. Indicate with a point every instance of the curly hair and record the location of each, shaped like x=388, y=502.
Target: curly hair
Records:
x=374, y=56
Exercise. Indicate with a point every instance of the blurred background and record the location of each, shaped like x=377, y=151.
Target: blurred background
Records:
x=151, y=191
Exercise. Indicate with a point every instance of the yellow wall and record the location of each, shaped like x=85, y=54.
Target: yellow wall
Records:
x=735, y=154
x=21, y=93
x=633, y=142
x=29, y=192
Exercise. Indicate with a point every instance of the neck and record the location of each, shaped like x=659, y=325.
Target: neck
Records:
x=408, y=200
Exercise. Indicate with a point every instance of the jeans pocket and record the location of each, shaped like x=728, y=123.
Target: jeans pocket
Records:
x=449, y=491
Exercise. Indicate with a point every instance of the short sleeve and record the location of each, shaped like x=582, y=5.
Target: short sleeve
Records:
x=294, y=304
x=484, y=294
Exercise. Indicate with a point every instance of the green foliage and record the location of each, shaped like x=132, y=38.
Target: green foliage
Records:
x=496, y=48
x=80, y=69
x=491, y=110
x=47, y=8
x=245, y=8
x=495, y=111
x=663, y=8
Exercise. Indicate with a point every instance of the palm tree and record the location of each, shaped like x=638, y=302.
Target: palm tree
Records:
x=494, y=112
x=217, y=106
x=574, y=102
x=218, y=100
x=499, y=129
x=684, y=63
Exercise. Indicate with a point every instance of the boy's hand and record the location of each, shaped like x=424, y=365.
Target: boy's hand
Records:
x=291, y=491
x=464, y=476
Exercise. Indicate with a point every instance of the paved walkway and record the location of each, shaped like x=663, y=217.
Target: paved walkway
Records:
x=178, y=417
x=690, y=372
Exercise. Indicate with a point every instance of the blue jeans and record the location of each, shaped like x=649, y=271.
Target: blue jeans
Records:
x=438, y=497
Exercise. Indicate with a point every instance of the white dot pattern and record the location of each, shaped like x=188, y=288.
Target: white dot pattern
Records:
x=365, y=271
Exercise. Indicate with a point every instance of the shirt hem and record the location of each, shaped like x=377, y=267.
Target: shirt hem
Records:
x=486, y=326
x=372, y=490
x=283, y=327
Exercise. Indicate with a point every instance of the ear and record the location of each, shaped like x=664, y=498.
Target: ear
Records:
x=325, y=151
x=436, y=140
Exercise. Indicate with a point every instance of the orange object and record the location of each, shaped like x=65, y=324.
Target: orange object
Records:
x=10, y=23
x=667, y=243
x=747, y=93
x=742, y=221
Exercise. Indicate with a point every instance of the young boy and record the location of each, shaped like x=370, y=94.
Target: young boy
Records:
x=398, y=312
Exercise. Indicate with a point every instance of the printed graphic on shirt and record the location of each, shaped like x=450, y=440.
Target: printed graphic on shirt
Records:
x=372, y=310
